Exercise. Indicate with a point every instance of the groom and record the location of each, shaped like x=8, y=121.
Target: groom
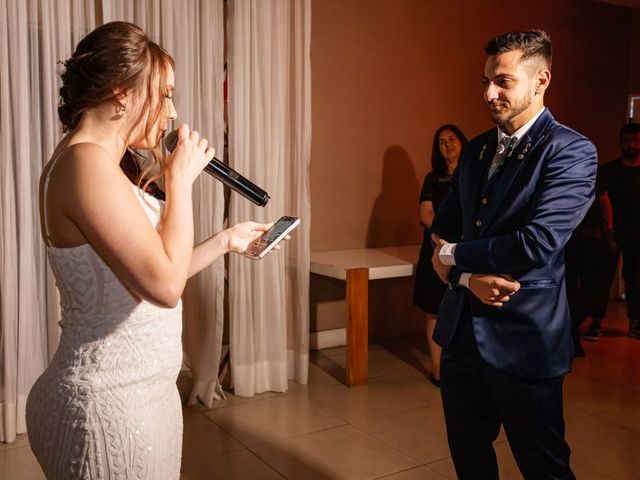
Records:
x=519, y=191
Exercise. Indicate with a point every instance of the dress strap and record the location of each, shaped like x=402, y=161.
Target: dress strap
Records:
x=47, y=238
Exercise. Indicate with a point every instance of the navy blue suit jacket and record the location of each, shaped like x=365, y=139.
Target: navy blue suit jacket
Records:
x=521, y=228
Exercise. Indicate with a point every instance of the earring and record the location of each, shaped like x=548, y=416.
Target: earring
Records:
x=122, y=110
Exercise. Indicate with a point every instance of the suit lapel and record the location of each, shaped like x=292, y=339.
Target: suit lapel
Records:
x=515, y=162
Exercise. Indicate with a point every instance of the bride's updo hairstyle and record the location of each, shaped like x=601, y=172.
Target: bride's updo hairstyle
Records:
x=117, y=56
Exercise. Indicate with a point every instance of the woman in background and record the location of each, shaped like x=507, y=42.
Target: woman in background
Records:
x=107, y=406
x=429, y=289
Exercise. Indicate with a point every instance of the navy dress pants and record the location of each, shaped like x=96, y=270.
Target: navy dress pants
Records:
x=478, y=398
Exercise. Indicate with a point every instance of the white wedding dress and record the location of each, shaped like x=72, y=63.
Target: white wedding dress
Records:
x=107, y=407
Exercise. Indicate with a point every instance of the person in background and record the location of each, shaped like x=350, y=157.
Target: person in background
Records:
x=107, y=406
x=621, y=181
x=428, y=289
x=591, y=257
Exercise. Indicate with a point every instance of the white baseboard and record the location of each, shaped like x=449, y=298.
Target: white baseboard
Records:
x=328, y=339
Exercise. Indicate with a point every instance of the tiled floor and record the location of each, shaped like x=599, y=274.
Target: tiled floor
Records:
x=393, y=428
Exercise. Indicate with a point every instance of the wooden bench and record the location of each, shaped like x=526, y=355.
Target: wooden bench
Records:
x=357, y=267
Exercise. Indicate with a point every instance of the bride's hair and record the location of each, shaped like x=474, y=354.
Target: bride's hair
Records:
x=118, y=56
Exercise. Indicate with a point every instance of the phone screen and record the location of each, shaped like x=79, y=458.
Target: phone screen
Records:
x=263, y=244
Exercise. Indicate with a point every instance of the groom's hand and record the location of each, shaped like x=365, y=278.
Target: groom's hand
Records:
x=493, y=290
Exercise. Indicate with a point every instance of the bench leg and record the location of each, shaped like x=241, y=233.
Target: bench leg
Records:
x=357, y=326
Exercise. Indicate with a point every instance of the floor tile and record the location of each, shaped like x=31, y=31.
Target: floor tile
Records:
x=19, y=464
x=202, y=437
x=412, y=351
x=585, y=473
x=381, y=362
x=240, y=465
x=21, y=441
x=507, y=467
x=605, y=447
x=373, y=400
x=419, y=433
x=318, y=377
x=412, y=383
x=628, y=417
x=584, y=396
x=419, y=473
x=231, y=399
x=617, y=372
x=272, y=419
x=337, y=453
x=444, y=467
x=333, y=366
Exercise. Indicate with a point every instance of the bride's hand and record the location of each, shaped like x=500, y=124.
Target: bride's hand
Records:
x=241, y=235
x=189, y=158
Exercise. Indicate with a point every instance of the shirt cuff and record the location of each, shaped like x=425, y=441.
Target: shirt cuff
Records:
x=447, y=254
x=464, y=279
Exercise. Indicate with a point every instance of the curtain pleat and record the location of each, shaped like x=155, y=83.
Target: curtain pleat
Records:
x=34, y=35
x=192, y=32
x=298, y=194
x=269, y=142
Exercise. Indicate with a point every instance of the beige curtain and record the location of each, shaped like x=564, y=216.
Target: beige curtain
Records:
x=193, y=33
x=34, y=35
x=269, y=142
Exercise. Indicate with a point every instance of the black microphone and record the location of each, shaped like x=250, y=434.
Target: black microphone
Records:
x=226, y=175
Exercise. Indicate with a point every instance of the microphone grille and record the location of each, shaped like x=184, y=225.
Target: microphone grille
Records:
x=171, y=140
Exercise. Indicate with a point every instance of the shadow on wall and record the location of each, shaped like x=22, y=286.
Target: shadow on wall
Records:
x=394, y=219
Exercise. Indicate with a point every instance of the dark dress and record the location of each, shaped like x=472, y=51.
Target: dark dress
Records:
x=429, y=289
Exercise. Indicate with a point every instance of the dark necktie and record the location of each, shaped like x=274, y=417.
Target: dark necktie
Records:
x=505, y=147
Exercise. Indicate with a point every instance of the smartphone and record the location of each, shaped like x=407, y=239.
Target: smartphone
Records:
x=269, y=239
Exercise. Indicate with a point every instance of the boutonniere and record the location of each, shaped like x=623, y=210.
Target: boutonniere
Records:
x=484, y=147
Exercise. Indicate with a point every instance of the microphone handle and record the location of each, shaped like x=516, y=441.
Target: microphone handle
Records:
x=226, y=175
x=237, y=182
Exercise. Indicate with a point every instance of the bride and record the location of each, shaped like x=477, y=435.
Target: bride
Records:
x=107, y=406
